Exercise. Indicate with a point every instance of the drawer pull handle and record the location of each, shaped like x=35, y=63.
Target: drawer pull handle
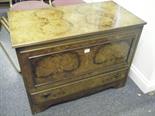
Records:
x=46, y=95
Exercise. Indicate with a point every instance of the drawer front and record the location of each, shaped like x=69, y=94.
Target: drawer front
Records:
x=73, y=64
x=65, y=63
x=78, y=87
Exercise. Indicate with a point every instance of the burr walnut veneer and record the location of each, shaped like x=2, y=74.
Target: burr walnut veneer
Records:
x=72, y=51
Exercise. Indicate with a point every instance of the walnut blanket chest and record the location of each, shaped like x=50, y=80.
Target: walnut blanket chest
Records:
x=72, y=51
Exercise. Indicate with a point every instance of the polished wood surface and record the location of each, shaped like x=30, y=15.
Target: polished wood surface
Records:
x=50, y=69
x=74, y=56
x=78, y=86
x=52, y=24
x=67, y=61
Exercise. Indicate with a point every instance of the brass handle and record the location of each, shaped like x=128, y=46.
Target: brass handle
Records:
x=118, y=75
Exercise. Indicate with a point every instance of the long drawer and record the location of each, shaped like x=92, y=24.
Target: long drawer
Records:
x=77, y=87
x=61, y=64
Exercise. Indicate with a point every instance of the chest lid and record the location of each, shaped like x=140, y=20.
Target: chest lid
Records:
x=52, y=24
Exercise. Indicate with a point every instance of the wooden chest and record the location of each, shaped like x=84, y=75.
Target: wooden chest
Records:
x=73, y=51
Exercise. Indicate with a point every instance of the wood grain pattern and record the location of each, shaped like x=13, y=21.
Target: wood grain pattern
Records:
x=54, y=64
x=65, y=65
x=112, y=53
x=72, y=64
x=78, y=86
x=91, y=49
x=46, y=25
x=49, y=63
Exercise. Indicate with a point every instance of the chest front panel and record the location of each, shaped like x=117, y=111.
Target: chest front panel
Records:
x=73, y=61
